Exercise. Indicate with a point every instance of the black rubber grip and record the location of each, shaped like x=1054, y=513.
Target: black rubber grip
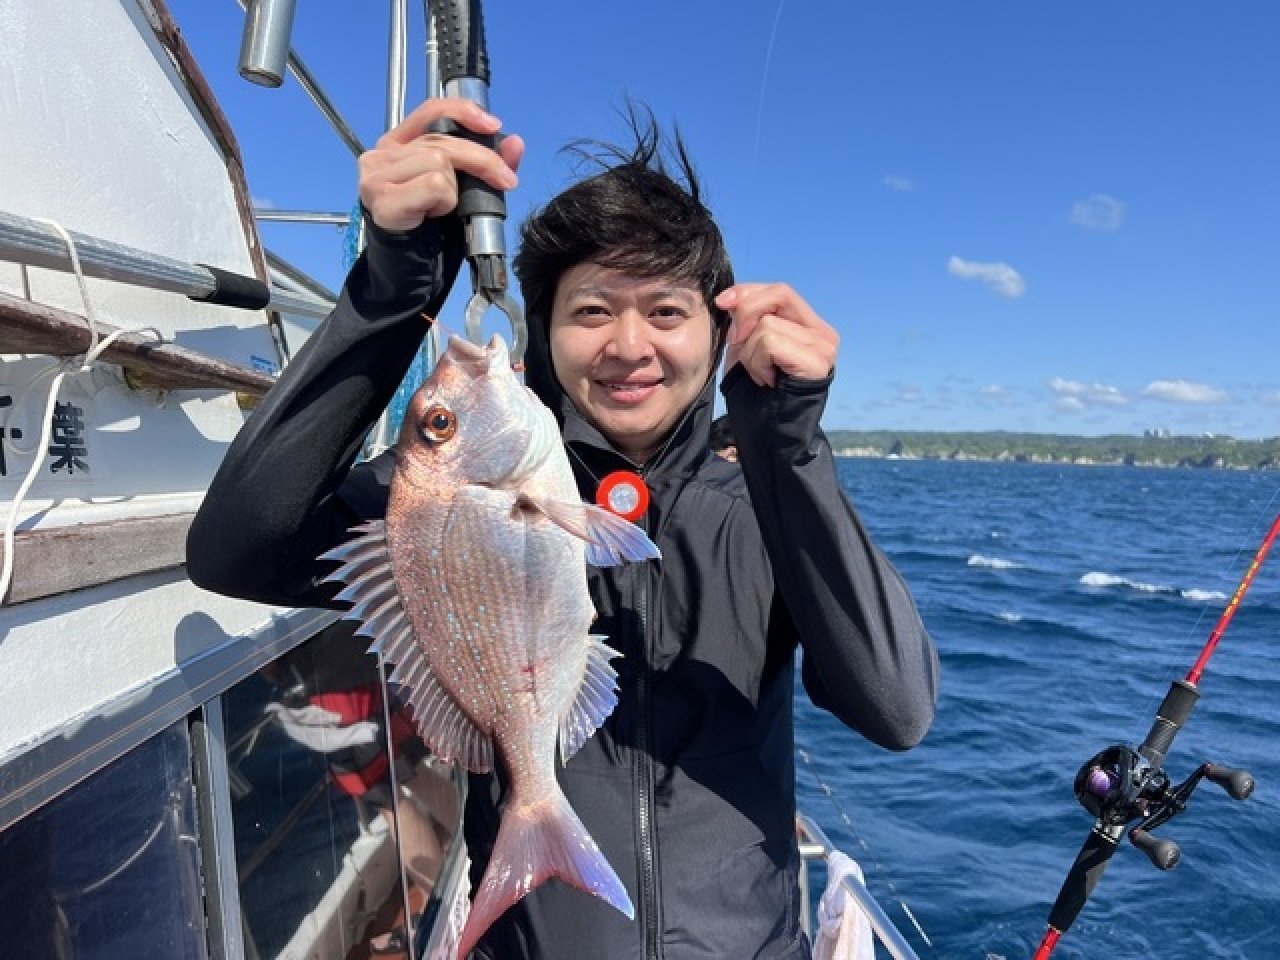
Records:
x=1085, y=873
x=460, y=33
x=475, y=197
x=234, y=290
x=1173, y=713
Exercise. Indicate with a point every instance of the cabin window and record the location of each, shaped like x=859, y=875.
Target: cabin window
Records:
x=312, y=751
x=110, y=870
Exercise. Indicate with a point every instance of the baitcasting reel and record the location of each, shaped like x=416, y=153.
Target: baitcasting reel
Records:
x=1119, y=786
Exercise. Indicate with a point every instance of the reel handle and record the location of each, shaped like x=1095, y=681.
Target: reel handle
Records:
x=1239, y=784
x=1163, y=853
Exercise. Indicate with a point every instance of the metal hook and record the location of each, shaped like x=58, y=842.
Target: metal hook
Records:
x=481, y=301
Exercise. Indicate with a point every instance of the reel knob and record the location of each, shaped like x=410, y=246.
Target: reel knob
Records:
x=1163, y=853
x=1238, y=783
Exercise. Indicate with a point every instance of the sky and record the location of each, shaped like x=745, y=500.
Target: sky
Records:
x=1048, y=217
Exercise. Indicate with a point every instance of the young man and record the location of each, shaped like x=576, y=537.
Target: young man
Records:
x=689, y=786
x=722, y=444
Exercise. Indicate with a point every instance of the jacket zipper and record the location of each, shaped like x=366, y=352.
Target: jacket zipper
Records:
x=644, y=776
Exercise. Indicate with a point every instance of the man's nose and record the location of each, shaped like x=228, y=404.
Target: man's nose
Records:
x=630, y=341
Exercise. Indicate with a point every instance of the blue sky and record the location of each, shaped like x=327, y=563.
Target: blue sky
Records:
x=1045, y=217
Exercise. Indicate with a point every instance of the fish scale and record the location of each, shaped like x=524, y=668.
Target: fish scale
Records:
x=474, y=588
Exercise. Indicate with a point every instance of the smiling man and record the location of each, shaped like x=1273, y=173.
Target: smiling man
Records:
x=689, y=785
x=631, y=353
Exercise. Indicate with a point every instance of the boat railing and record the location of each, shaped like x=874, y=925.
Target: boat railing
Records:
x=23, y=240
x=301, y=74
x=815, y=845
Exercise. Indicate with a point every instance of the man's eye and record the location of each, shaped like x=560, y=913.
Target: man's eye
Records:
x=670, y=313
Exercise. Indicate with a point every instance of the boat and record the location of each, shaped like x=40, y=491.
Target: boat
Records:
x=181, y=774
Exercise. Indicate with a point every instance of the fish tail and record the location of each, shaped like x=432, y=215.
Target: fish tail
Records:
x=534, y=844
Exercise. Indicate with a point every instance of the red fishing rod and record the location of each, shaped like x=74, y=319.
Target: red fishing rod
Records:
x=1121, y=785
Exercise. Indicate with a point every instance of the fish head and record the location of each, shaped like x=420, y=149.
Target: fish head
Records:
x=474, y=422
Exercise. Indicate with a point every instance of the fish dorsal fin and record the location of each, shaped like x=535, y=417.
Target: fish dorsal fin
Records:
x=610, y=539
x=597, y=696
x=375, y=604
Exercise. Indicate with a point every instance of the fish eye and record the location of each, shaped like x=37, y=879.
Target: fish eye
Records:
x=439, y=424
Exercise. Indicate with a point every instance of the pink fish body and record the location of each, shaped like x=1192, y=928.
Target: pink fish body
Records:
x=475, y=588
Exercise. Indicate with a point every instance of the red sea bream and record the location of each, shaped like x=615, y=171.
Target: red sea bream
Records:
x=475, y=588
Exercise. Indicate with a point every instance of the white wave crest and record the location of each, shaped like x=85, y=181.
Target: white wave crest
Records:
x=1008, y=616
x=1202, y=596
x=1095, y=579
x=993, y=563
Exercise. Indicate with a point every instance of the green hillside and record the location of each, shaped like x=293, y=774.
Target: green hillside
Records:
x=1156, y=451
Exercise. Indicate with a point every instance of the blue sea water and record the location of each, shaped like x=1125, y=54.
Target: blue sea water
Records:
x=1063, y=601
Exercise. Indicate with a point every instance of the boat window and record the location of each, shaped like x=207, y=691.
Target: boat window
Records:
x=315, y=808
x=110, y=869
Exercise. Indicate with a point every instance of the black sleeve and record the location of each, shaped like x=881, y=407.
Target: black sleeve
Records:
x=867, y=656
x=286, y=490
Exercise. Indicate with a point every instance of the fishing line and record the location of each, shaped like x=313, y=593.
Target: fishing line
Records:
x=876, y=864
x=755, y=149
x=1194, y=635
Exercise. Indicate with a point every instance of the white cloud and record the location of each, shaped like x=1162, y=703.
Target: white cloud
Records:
x=898, y=183
x=1000, y=277
x=1183, y=391
x=908, y=393
x=1271, y=398
x=997, y=395
x=1098, y=212
x=1075, y=395
x=261, y=203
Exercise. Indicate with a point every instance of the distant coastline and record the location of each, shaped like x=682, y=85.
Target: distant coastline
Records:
x=1202, y=452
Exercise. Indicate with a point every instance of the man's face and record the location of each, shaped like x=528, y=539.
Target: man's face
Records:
x=631, y=353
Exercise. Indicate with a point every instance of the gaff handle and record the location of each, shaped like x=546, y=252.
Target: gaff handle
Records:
x=475, y=197
x=460, y=34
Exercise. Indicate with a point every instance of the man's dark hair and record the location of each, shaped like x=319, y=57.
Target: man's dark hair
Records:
x=633, y=216
x=721, y=433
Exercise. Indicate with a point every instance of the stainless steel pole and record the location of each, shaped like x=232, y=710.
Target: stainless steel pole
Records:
x=264, y=48
x=38, y=245
x=889, y=935
x=320, y=99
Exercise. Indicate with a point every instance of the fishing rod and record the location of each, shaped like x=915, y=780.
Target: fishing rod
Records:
x=464, y=72
x=1121, y=785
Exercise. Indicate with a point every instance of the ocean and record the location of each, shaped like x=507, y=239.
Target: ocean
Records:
x=1063, y=601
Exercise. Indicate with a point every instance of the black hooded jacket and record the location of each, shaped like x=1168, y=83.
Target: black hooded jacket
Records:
x=688, y=787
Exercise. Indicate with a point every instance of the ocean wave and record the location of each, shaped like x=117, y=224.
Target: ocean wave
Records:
x=1194, y=594
x=1202, y=596
x=1008, y=616
x=992, y=563
x=1096, y=579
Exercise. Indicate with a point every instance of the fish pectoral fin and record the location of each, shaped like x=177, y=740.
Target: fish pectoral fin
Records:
x=376, y=606
x=596, y=698
x=610, y=539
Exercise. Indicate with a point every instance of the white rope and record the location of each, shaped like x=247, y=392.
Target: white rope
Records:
x=97, y=345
